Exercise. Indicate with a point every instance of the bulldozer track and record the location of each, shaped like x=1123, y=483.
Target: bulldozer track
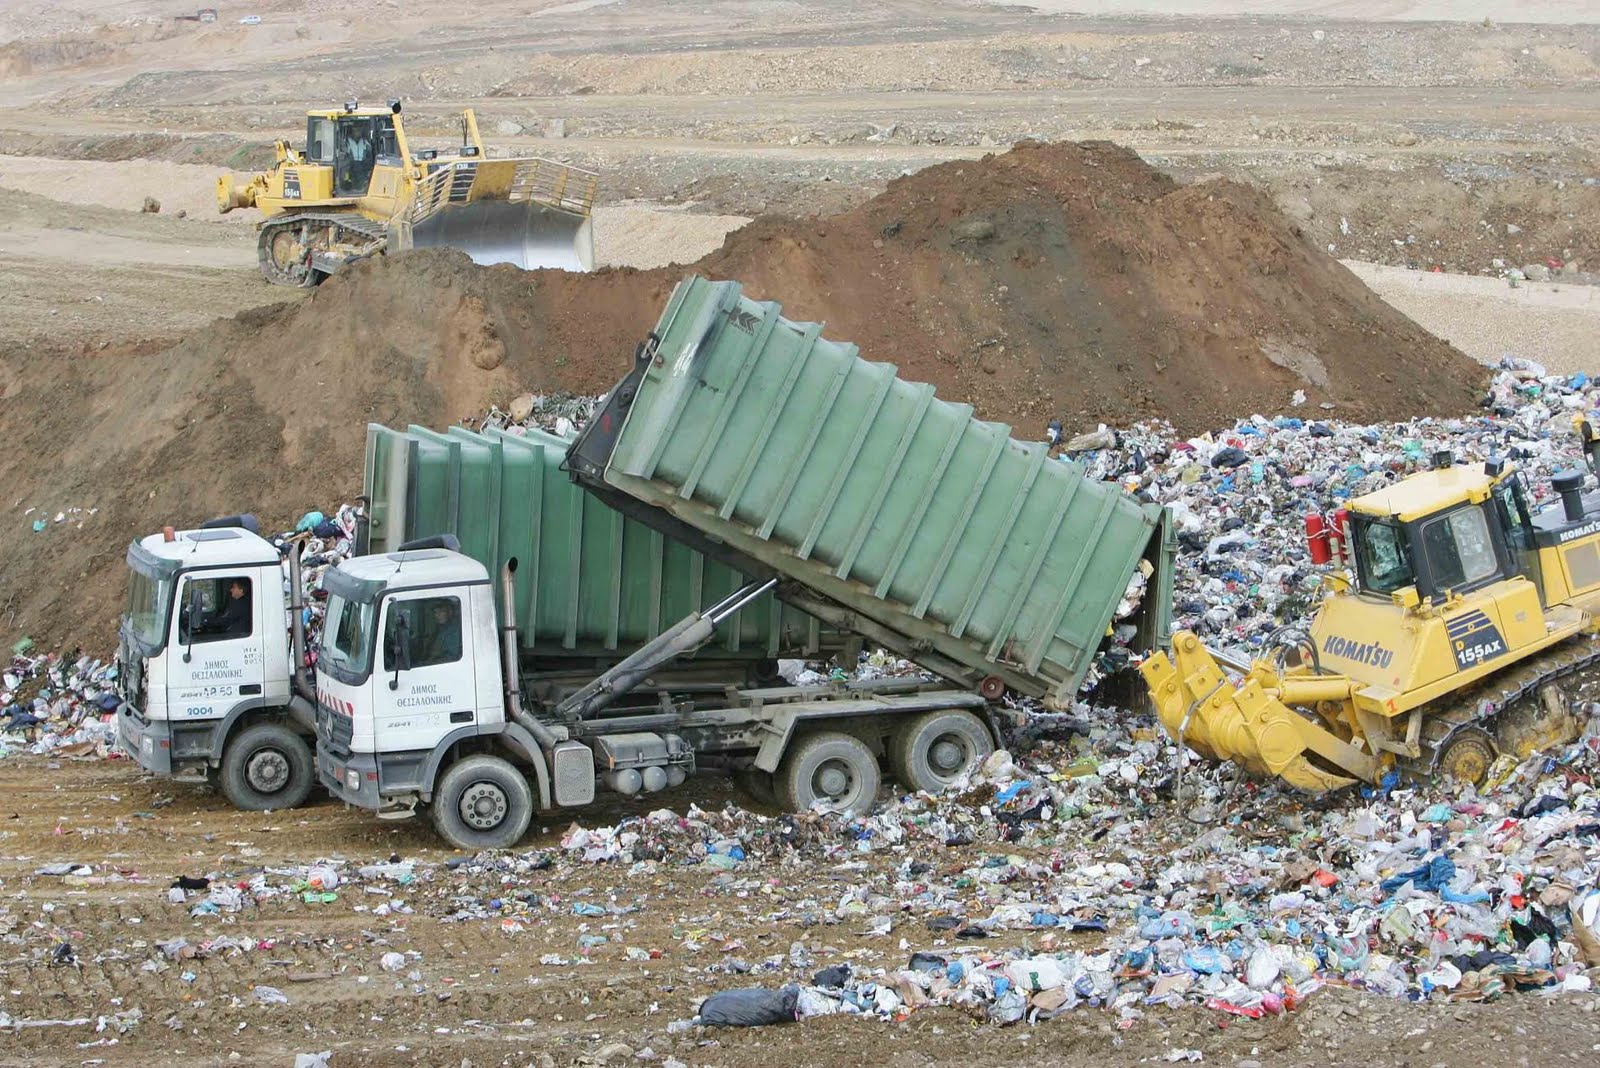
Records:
x=1477, y=710
x=368, y=237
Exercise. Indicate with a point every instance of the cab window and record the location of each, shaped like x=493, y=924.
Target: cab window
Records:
x=319, y=140
x=1459, y=550
x=1515, y=518
x=216, y=609
x=429, y=629
x=388, y=149
x=347, y=638
x=1381, y=558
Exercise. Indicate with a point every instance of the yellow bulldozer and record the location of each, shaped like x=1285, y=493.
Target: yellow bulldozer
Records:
x=358, y=188
x=1455, y=612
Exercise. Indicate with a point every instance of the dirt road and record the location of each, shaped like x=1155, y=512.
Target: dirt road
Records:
x=1487, y=318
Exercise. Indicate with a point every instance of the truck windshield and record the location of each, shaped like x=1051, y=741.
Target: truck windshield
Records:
x=347, y=639
x=149, y=596
x=1381, y=557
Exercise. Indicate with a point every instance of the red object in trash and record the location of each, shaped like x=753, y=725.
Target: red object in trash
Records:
x=1317, y=538
x=1255, y=1012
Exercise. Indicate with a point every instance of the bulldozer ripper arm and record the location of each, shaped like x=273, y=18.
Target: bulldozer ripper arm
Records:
x=232, y=193
x=1250, y=723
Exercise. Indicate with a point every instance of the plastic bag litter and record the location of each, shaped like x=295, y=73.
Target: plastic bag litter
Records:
x=754, y=1007
x=1263, y=969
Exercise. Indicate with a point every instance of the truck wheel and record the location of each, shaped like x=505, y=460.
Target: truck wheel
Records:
x=482, y=802
x=266, y=766
x=837, y=770
x=933, y=750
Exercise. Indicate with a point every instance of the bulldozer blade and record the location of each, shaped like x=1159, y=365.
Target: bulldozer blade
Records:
x=1203, y=710
x=524, y=233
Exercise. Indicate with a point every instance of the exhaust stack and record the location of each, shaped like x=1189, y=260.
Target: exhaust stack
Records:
x=510, y=678
x=1569, y=484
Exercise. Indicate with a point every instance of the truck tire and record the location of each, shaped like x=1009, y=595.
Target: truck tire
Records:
x=933, y=751
x=482, y=802
x=835, y=769
x=266, y=766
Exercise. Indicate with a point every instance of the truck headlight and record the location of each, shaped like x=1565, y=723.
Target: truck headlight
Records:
x=352, y=778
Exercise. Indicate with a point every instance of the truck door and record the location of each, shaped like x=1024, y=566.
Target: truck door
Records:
x=215, y=649
x=355, y=152
x=428, y=686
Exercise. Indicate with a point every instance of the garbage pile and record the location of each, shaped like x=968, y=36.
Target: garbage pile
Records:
x=1104, y=893
x=1061, y=877
x=561, y=414
x=61, y=704
x=322, y=542
x=1239, y=497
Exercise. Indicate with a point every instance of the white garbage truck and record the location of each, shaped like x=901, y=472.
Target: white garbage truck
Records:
x=212, y=678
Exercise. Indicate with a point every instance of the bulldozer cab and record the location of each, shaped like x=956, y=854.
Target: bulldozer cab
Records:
x=1440, y=535
x=352, y=144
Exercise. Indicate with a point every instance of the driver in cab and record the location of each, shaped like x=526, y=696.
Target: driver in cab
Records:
x=232, y=620
x=440, y=642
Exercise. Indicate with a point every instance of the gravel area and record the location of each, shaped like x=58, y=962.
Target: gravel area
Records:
x=1555, y=324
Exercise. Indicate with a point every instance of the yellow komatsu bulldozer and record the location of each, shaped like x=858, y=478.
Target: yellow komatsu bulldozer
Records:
x=358, y=188
x=1454, y=615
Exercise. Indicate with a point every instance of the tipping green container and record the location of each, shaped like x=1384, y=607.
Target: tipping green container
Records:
x=589, y=583
x=882, y=507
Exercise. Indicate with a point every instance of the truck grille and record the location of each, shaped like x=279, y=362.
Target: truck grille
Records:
x=334, y=730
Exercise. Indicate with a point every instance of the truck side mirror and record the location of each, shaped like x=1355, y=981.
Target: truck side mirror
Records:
x=399, y=649
x=191, y=619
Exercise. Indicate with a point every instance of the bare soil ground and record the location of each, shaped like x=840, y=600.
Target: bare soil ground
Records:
x=474, y=990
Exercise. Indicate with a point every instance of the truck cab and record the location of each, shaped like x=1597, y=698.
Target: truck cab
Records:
x=206, y=682
x=409, y=668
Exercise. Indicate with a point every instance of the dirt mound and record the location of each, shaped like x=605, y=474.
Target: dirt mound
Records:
x=1068, y=280
x=1062, y=280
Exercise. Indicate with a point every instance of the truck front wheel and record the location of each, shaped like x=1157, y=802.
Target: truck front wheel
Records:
x=266, y=766
x=934, y=750
x=482, y=802
x=835, y=769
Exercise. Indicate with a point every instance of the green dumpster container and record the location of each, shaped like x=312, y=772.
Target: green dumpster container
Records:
x=881, y=507
x=589, y=582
